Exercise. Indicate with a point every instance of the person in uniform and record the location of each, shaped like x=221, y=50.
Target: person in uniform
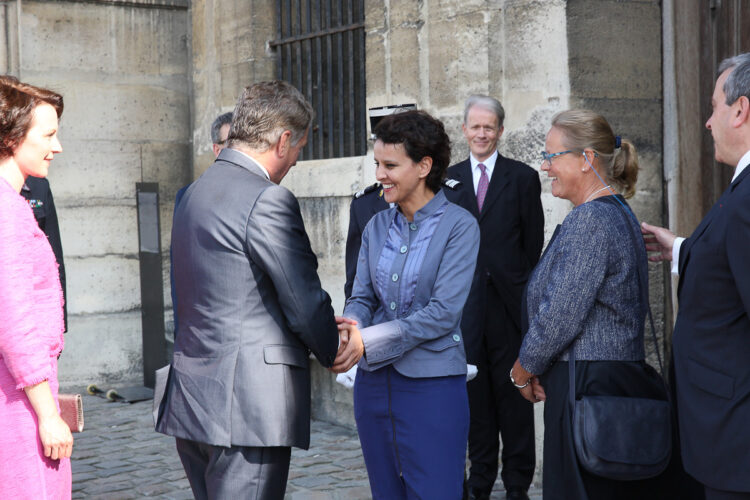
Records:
x=37, y=192
x=365, y=203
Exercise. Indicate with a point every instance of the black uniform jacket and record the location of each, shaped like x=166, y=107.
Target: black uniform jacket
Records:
x=37, y=192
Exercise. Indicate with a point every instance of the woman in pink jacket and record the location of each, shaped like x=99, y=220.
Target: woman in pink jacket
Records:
x=35, y=444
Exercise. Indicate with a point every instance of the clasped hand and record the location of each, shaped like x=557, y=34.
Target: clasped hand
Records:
x=351, y=347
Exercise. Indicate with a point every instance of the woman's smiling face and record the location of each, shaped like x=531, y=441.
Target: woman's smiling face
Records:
x=565, y=169
x=400, y=175
x=38, y=147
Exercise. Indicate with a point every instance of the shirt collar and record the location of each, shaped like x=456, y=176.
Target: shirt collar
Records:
x=489, y=163
x=744, y=162
x=265, y=172
x=430, y=208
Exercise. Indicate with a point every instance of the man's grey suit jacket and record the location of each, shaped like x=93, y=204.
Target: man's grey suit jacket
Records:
x=251, y=309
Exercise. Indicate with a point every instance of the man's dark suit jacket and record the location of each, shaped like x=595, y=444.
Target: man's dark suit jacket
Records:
x=712, y=343
x=37, y=192
x=512, y=234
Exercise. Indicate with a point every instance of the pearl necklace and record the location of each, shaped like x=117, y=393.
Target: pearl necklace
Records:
x=597, y=192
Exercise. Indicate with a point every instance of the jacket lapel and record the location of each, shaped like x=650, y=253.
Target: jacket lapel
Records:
x=463, y=175
x=685, y=252
x=497, y=183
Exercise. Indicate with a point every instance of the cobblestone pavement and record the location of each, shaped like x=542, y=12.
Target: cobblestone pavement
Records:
x=119, y=456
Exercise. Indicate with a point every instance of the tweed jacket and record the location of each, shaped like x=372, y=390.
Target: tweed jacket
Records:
x=585, y=291
x=426, y=340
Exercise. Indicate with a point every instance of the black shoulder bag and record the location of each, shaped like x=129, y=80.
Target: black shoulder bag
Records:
x=617, y=437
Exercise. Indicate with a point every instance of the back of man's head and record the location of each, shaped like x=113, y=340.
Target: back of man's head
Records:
x=220, y=121
x=264, y=111
x=738, y=82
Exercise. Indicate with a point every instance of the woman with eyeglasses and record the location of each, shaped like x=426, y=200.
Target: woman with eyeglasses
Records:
x=35, y=444
x=585, y=295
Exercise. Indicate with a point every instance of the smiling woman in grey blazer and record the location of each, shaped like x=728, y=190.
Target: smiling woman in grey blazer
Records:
x=414, y=272
x=584, y=296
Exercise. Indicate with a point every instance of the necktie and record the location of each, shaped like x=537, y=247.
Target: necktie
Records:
x=484, y=182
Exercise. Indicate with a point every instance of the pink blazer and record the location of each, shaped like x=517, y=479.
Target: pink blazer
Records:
x=31, y=315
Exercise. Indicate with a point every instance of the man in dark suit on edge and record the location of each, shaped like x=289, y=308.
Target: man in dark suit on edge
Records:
x=504, y=195
x=711, y=341
x=250, y=305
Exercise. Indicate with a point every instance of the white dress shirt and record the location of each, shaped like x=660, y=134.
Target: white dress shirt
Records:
x=744, y=162
x=256, y=162
x=489, y=165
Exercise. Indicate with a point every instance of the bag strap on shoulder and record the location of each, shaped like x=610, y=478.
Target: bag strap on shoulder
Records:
x=643, y=286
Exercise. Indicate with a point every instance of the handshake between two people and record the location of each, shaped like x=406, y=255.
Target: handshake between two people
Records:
x=351, y=347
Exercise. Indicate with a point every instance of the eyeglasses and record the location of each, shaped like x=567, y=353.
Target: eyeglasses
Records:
x=548, y=156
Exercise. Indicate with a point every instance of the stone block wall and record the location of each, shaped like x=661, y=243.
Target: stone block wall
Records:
x=229, y=51
x=122, y=70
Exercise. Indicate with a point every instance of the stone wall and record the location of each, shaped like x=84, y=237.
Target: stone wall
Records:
x=228, y=52
x=122, y=69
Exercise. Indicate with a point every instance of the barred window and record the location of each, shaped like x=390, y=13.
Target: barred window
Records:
x=321, y=51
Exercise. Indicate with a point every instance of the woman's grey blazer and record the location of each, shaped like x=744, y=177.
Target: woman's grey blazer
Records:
x=426, y=340
x=585, y=290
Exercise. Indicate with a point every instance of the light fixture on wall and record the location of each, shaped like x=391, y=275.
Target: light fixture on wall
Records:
x=377, y=114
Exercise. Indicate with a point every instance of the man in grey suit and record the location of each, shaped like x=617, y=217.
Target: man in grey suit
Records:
x=251, y=308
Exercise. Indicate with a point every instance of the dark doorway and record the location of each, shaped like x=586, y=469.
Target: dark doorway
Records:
x=722, y=36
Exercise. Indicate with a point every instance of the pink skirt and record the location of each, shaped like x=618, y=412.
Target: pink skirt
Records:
x=25, y=472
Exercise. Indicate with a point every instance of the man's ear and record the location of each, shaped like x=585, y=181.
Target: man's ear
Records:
x=741, y=111
x=283, y=144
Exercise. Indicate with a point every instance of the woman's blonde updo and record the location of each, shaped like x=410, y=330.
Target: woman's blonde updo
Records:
x=584, y=129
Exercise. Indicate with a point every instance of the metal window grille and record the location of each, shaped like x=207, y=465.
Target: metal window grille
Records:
x=321, y=51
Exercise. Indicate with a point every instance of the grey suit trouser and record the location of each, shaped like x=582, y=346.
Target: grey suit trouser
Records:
x=247, y=472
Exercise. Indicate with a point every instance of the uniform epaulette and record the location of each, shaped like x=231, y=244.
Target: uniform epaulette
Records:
x=451, y=183
x=368, y=189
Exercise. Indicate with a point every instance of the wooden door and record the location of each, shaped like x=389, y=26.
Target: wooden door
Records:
x=722, y=36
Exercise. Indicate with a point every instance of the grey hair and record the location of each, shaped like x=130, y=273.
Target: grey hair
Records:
x=738, y=81
x=265, y=110
x=485, y=102
x=220, y=121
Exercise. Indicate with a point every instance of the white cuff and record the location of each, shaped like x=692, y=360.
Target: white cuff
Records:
x=676, y=255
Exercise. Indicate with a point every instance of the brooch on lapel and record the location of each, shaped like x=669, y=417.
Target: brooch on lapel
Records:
x=36, y=203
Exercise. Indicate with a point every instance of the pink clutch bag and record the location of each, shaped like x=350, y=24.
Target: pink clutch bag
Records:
x=71, y=410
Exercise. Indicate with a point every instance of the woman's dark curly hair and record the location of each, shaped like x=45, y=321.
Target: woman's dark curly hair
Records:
x=17, y=103
x=422, y=135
